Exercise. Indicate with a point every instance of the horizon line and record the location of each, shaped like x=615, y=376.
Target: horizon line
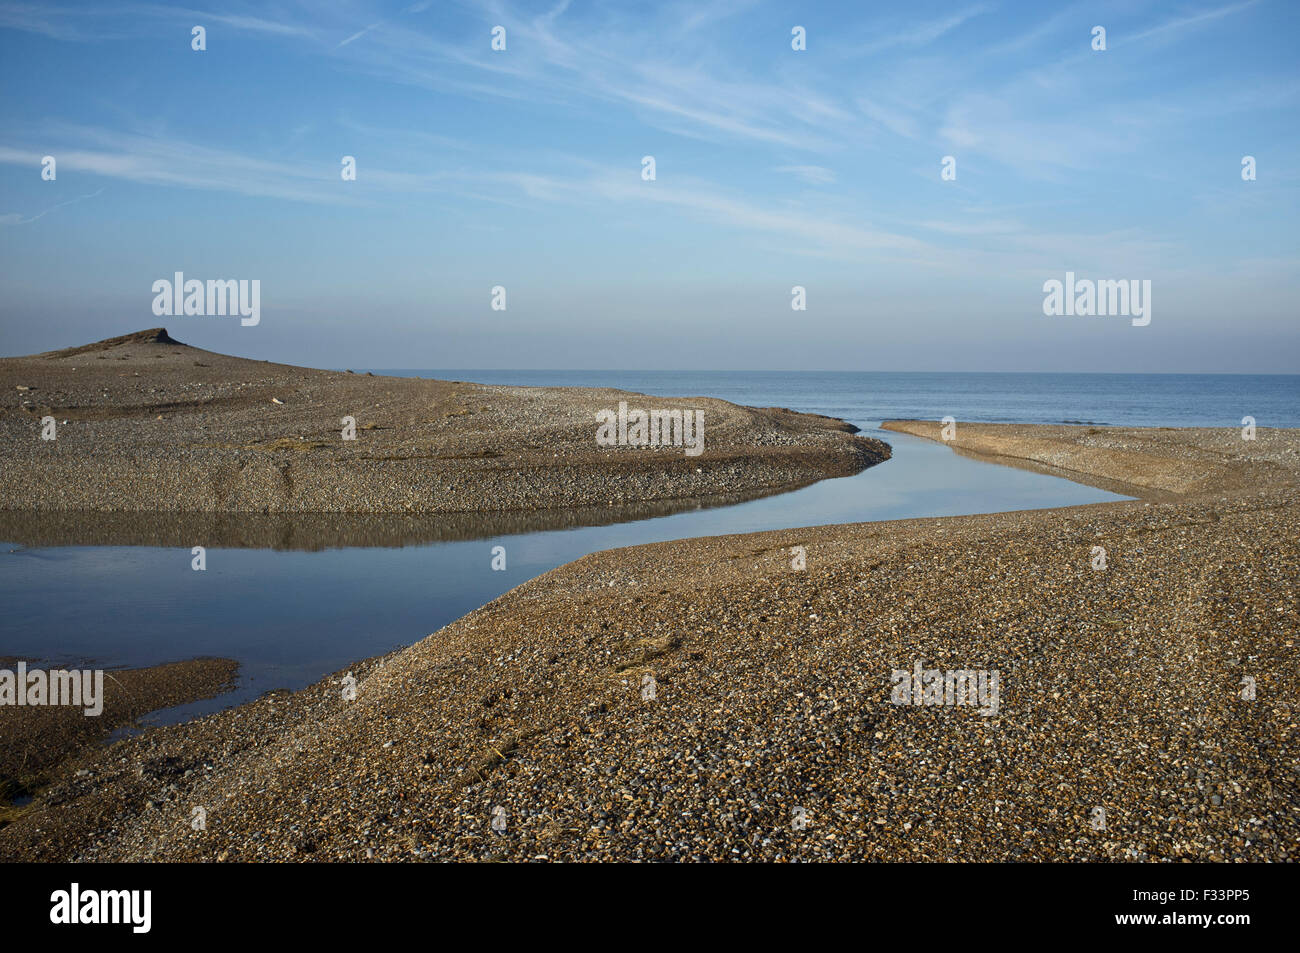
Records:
x=716, y=370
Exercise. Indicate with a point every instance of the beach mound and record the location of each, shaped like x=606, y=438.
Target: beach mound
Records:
x=151, y=336
x=145, y=423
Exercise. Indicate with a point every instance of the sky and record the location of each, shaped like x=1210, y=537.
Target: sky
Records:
x=775, y=167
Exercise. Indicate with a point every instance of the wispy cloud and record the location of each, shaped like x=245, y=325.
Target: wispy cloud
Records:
x=16, y=218
x=96, y=22
x=923, y=34
x=173, y=162
x=359, y=34
x=1028, y=103
x=812, y=174
x=706, y=202
x=607, y=63
x=1178, y=24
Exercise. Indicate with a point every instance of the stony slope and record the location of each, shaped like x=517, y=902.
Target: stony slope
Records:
x=145, y=423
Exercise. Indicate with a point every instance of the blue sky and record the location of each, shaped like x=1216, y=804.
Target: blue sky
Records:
x=775, y=168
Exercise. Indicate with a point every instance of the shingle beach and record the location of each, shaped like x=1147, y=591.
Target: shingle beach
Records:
x=144, y=423
x=734, y=698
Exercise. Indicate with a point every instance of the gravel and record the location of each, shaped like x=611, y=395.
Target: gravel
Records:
x=144, y=423
x=1122, y=732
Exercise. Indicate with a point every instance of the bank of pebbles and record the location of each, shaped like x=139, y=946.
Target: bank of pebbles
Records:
x=144, y=423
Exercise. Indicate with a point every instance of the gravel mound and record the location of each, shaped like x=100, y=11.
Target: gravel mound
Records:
x=144, y=423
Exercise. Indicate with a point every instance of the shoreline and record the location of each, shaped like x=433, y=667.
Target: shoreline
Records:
x=1150, y=463
x=1121, y=690
x=311, y=532
x=144, y=423
x=37, y=742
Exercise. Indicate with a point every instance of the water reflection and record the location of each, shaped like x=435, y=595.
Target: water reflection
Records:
x=311, y=532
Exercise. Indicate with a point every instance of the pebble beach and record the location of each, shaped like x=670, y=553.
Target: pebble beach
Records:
x=732, y=698
x=144, y=423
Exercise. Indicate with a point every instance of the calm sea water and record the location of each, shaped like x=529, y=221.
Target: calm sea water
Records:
x=290, y=617
x=1137, y=400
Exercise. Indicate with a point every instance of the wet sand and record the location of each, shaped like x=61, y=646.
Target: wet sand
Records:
x=1147, y=709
